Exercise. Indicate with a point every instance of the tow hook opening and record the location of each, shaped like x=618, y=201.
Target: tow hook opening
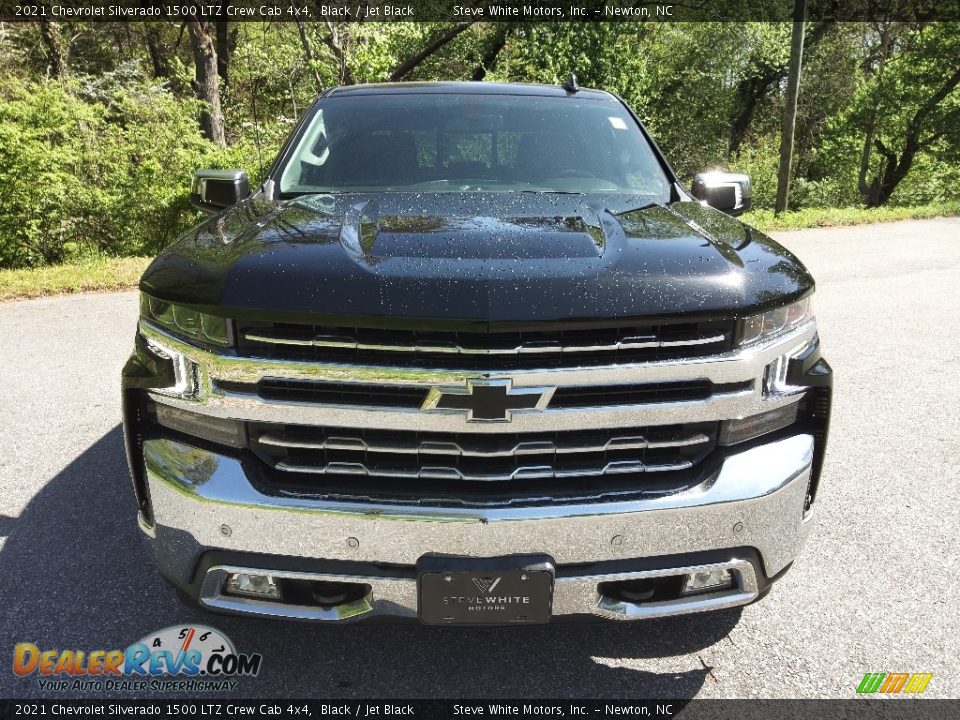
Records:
x=669, y=587
x=323, y=594
x=642, y=590
x=327, y=594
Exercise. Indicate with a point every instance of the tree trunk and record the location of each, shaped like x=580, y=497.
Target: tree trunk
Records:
x=489, y=59
x=790, y=112
x=56, y=48
x=749, y=93
x=207, y=82
x=309, y=57
x=752, y=90
x=158, y=53
x=895, y=168
x=226, y=41
x=410, y=64
x=338, y=44
x=870, y=191
x=862, y=185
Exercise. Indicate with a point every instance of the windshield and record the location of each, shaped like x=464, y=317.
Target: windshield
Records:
x=486, y=143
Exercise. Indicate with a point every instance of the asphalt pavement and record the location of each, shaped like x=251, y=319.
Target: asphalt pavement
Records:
x=876, y=589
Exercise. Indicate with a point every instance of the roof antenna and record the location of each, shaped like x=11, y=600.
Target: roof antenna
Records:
x=571, y=84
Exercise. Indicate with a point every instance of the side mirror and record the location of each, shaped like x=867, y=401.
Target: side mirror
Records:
x=729, y=192
x=214, y=190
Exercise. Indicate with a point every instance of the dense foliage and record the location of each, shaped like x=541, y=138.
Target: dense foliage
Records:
x=102, y=125
x=96, y=165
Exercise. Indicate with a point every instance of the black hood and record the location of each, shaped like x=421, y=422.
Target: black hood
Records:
x=474, y=257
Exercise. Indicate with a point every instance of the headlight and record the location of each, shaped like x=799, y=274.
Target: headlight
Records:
x=180, y=320
x=759, y=328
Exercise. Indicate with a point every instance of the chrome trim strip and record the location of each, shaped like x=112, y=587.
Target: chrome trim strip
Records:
x=346, y=343
x=434, y=472
x=734, y=366
x=431, y=447
x=397, y=596
x=720, y=406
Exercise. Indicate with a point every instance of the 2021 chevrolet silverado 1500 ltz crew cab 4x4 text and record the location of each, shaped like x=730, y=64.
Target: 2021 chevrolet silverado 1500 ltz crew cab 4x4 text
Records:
x=472, y=354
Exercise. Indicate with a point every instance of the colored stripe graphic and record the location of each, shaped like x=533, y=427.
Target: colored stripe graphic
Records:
x=918, y=682
x=892, y=683
x=871, y=682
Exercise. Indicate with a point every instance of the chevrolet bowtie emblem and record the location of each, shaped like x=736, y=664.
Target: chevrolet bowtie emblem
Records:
x=487, y=400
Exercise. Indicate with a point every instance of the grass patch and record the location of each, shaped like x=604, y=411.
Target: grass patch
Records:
x=832, y=217
x=98, y=273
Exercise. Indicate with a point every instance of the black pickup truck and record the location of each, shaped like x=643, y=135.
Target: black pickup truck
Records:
x=472, y=354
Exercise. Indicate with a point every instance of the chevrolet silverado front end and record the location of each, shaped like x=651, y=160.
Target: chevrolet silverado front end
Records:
x=473, y=355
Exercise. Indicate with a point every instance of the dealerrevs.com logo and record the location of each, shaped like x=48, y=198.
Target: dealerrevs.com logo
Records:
x=177, y=658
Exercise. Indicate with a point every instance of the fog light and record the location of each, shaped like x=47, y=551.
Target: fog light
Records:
x=706, y=581
x=738, y=431
x=214, y=429
x=263, y=586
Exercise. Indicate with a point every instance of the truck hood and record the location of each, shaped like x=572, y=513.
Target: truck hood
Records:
x=475, y=258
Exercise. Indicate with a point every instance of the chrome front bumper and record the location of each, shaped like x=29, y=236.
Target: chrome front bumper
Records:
x=204, y=502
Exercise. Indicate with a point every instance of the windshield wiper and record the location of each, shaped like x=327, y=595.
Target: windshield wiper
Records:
x=638, y=208
x=550, y=192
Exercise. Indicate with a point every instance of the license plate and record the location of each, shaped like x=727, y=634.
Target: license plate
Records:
x=495, y=592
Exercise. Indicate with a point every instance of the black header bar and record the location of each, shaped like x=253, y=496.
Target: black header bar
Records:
x=206, y=708
x=515, y=11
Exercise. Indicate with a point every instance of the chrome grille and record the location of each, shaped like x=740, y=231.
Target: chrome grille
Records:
x=494, y=349
x=359, y=430
x=485, y=447
x=339, y=459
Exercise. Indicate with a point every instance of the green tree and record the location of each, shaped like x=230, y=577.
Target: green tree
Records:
x=908, y=105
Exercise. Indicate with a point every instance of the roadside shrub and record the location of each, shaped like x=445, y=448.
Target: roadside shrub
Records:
x=96, y=167
x=759, y=160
